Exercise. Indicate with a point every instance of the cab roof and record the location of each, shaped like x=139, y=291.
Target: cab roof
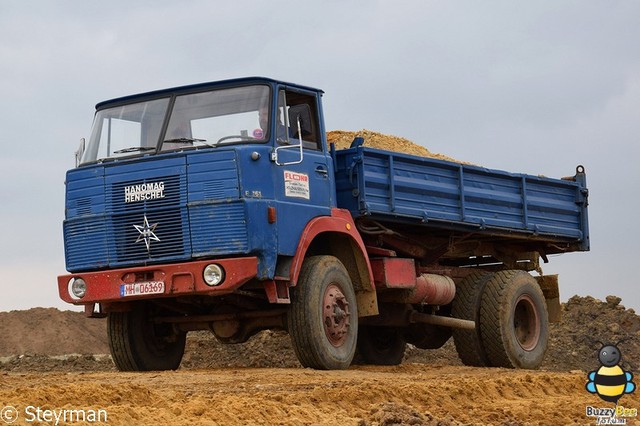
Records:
x=200, y=87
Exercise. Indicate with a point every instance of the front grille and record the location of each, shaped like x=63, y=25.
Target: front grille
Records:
x=167, y=232
x=163, y=213
x=196, y=211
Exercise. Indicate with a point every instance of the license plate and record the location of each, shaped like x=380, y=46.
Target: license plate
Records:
x=141, y=289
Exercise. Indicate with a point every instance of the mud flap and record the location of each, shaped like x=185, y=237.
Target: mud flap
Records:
x=550, y=288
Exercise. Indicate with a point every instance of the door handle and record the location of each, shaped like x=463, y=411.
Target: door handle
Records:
x=321, y=170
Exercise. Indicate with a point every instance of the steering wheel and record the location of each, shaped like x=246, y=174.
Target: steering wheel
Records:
x=241, y=137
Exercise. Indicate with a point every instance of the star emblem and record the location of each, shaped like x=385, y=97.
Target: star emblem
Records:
x=147, y=233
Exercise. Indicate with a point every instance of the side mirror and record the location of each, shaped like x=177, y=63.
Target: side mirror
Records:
x=301, y=123
x=301, y=114
x=80, y=151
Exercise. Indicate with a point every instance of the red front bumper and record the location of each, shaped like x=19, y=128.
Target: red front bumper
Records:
x=178, y=279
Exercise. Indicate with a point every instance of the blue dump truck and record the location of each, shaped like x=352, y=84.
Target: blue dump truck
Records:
x=220, y=207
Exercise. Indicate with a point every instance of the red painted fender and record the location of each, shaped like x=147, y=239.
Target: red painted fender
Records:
x=339, y=222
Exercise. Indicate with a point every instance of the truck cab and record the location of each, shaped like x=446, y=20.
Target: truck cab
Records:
x=181, y=174
x=185, y=195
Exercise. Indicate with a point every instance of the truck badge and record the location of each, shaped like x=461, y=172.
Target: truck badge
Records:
x=146, y=233
x=144, y=192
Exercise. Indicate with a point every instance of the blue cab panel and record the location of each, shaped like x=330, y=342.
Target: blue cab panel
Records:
x=198, y=204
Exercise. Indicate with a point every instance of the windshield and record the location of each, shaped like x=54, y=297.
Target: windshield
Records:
x=220, y=116
x=126, y=129
x=237, y=115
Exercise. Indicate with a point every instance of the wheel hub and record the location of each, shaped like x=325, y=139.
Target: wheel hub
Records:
x=336, y=315
x=526, y=323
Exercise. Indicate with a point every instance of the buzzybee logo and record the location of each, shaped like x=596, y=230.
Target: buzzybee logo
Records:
x=610, y=382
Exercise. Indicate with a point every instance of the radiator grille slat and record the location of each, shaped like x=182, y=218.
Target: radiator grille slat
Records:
x=218, y=228
x=86, y=243
x=167, y=227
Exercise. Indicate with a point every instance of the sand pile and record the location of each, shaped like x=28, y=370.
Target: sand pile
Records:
x=342, y=140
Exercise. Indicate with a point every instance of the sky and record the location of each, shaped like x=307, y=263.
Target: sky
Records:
x=531, y=87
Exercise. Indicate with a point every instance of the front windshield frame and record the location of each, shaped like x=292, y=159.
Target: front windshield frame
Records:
x=218, y=116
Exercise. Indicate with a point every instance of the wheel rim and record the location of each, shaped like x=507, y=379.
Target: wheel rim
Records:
x=526, y=323
x=336, y=315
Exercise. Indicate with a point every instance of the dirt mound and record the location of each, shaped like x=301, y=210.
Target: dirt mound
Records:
x=267, y=349
x=45, y=363
x=586, y=324
x=342, y=140
x=51, y=332
x=391, y=413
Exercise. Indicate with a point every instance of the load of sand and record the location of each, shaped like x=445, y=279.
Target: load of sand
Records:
x=342, y=139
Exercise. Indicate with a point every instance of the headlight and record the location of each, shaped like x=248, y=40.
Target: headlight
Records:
x=77, y=288
x=213, y=274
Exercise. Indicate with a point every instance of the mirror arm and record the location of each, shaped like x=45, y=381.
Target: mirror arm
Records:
x=274, y=153
x=300, y=137
x=80, y=152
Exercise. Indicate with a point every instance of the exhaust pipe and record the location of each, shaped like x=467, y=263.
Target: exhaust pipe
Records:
x=430, y=289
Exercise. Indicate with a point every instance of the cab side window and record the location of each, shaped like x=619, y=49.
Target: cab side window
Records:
x=301, y=119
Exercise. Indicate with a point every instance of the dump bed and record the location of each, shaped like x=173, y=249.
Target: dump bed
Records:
x=398, y=188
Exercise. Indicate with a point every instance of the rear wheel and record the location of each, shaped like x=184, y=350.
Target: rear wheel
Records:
x=380, y=345
x=466, y=305
x=514, y=321
x=138, y=344
x=323, y=316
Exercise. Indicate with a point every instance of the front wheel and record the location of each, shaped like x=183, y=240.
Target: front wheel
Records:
x=323, y=316
x=138, y=344
x=514, y=323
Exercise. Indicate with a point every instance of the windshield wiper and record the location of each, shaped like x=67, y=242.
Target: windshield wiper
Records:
x=134, y=149
x=188, y=141
x=184, y=140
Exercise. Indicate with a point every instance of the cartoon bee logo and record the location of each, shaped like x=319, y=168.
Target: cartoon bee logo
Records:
x=610, y=381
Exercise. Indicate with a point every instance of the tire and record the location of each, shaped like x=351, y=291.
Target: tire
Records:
x=323, y=316
x=514, y=322
x=380, y=345
x=466, y=305
x=137, y=344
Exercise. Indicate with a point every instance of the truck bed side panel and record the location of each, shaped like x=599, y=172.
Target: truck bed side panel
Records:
x=403, y=188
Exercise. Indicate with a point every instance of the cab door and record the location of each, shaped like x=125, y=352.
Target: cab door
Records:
x=303, y=174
